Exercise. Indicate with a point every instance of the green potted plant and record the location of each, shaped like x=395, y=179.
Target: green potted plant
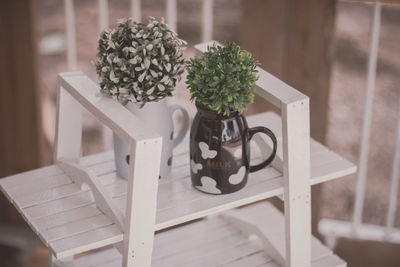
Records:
x=222, y=82
x=139, y=65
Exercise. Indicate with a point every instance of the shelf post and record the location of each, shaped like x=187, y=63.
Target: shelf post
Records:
x=68, y=127
x=144, y=169
x=296, y=170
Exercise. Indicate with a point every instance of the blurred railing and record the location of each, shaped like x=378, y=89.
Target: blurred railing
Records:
x=332, y=229
x=171, y=15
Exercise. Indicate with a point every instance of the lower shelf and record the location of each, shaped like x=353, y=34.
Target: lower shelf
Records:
x=68, y=221
x=216, y=241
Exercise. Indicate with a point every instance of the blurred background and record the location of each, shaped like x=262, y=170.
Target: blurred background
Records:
x=320, y=47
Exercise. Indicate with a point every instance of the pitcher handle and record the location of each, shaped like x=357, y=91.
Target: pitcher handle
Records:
x=270, y=134
x=185, y=124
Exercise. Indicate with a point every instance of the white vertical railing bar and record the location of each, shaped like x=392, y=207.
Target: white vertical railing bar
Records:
x=366, y=126
x=103, y=24
x=394, y=185
x=172, y=14
x=70, y=34
x=208, y=20
x=103, y=14
x=136, y=10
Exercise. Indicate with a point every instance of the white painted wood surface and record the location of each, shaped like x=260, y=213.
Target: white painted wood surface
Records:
x=297, y=190
x=71, y=218
x=105, y=109
x=218, y=241
x=141, y=202
x=51, y=202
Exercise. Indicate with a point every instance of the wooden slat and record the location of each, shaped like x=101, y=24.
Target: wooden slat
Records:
x=86, y=241
x=59, y=219
x=59, y=205
x=77, y=227
x=213, y=242
x=29, y=176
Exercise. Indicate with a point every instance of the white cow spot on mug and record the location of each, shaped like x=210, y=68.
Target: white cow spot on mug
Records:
x=238, y=177
x=206, y=152
x=195, y=166
x=238, y=153
x=209, y=185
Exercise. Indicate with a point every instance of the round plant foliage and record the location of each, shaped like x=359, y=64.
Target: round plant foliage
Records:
x=138, y=62
x=223, y=78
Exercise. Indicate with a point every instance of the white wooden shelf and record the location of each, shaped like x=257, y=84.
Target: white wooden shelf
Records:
x=219, y=242
x=80, y=204
x=66, y=217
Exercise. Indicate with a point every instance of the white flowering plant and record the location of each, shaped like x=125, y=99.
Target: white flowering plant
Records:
x=139, y=63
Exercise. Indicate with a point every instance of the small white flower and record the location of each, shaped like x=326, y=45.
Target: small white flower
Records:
x=138, y=68
x=161, y=87
x=116, y=60
x=125, y=50
x=123, y=91
x=133, y=61
x=144, y=52
x=146, y=63
x=151, y=97
x=166, y=82
x=104, y=69
x=149, y=47
x=168, y=67
x=113, y=78
x=109, y=59
x=154, y=61
x=132, y=50
x=110, y=44
x=150, y=91
x=166, y=58
x=141, y=77
x=164, y=79
x=153, y=73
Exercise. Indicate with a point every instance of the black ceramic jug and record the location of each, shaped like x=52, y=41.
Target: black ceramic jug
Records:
x=220, y=151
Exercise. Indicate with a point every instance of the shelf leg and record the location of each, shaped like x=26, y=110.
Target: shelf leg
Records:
x=68, y=128
x=296, y=169
x=141, y=203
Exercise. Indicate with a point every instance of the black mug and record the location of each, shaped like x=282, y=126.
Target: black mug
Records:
x=220, y=151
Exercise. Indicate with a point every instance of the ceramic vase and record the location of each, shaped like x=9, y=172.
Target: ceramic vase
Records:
x=158, y=117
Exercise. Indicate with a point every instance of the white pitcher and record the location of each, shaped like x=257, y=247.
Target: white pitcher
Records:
x=157, y=116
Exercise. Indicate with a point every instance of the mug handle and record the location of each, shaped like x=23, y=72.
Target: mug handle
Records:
x=185, y=124
x=270, y=134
